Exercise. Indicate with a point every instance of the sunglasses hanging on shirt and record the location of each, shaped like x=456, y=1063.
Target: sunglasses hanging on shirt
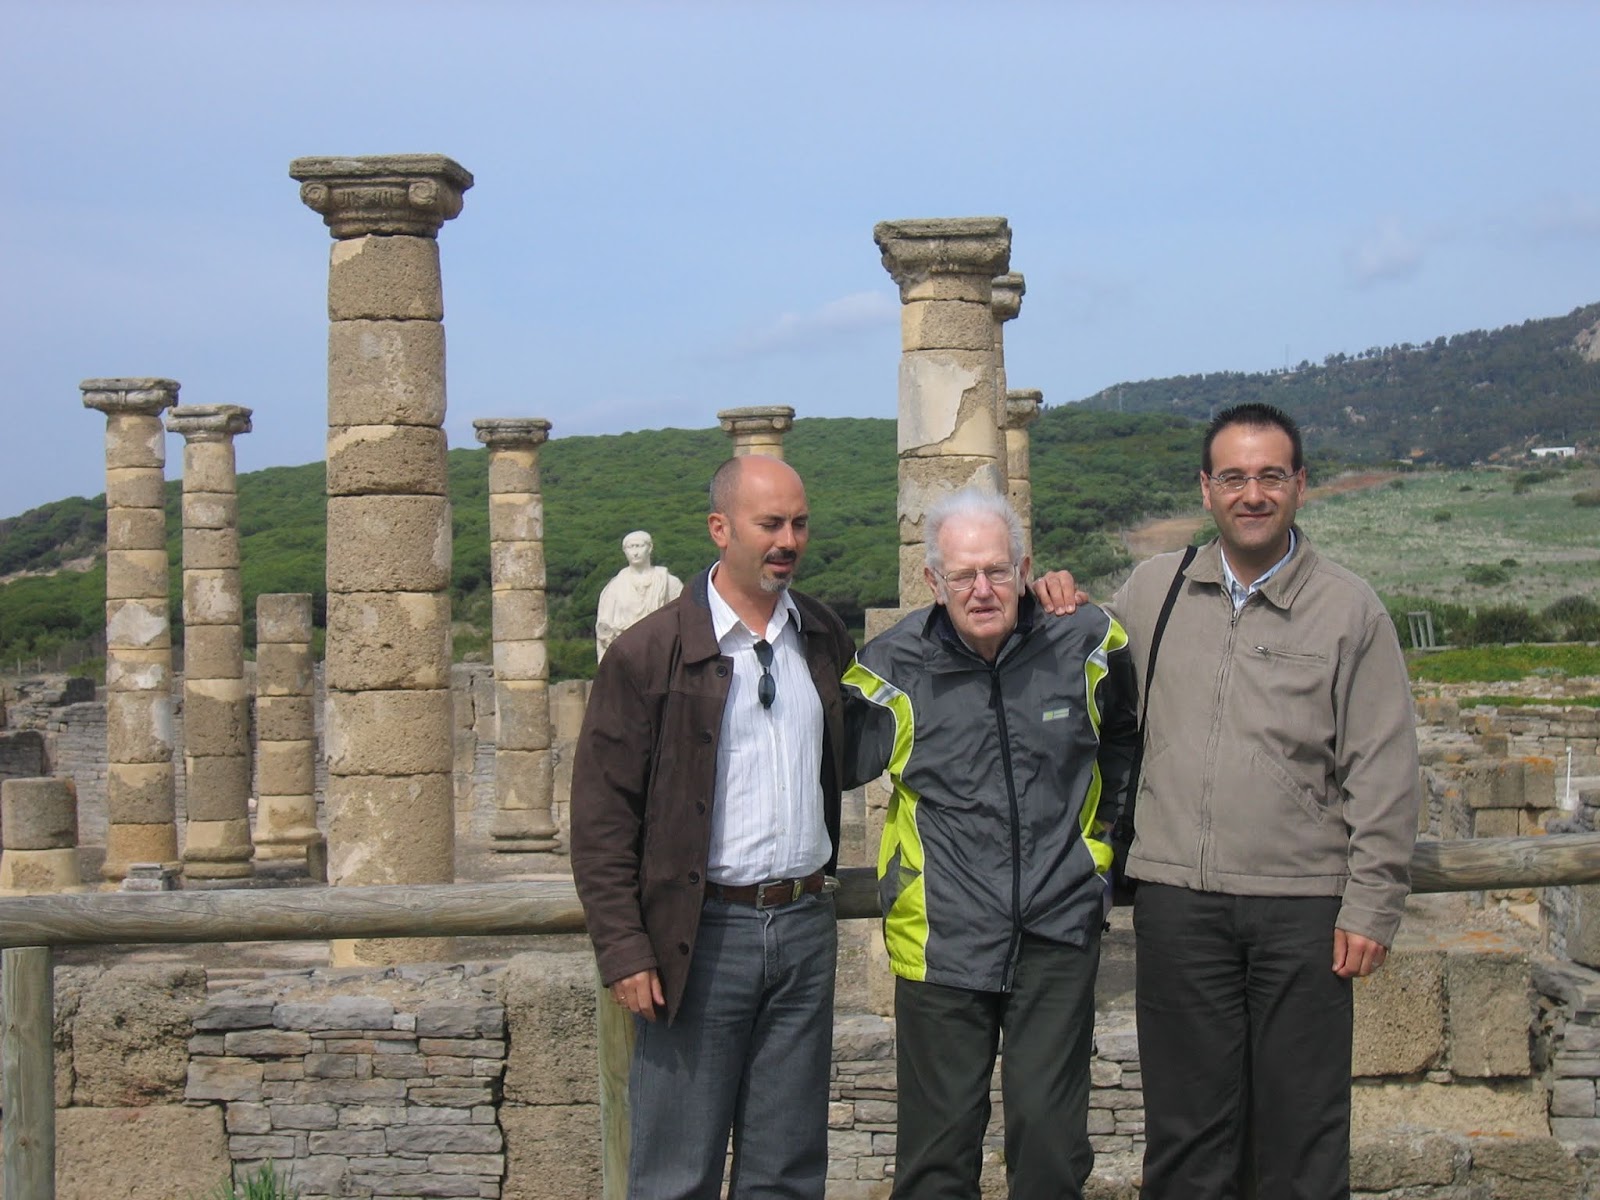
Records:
x=767, y=688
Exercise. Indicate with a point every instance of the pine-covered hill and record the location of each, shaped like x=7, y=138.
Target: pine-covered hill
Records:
x=1455, y=400
x=1093, y=473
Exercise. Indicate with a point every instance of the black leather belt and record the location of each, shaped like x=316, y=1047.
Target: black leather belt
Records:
x=772, y=894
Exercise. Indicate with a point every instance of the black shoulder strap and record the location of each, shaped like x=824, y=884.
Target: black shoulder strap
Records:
x=1124, y=826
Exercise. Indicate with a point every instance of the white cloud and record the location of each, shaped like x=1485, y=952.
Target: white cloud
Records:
x=1385, y=253
x=844, y=317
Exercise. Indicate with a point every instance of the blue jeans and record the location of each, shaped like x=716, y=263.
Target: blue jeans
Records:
x=749, y=1052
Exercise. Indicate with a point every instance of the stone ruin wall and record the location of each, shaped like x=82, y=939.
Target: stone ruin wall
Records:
x=480, y=1080
x=1477, y=1064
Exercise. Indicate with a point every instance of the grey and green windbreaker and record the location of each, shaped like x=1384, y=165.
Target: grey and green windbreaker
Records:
x=1004, y=776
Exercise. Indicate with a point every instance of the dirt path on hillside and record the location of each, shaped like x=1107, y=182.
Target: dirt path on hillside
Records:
x=1174, y=533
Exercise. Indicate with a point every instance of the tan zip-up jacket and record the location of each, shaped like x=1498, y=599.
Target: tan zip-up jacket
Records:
x=1281, y=748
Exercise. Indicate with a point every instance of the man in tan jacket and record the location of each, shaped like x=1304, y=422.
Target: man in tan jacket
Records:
x=1274, y=830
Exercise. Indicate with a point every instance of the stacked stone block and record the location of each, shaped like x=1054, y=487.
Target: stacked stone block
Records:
x=140, y=797
x=1022, y=410
x=216, y=706
x=388, y=725
x=389, y=1093
x=39, y=825
x=949, y=423
x=757, y=430
x=286, y=736
x=522, y=769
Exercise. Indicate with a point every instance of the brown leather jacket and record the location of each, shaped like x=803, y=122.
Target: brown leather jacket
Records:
x=645, y=773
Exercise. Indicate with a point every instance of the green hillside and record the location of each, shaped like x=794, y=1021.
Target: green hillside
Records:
x=1094, y=473
x=1455, y=400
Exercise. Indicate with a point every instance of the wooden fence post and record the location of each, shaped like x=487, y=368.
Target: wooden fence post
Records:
x=614, y=1029
x=27, y=1049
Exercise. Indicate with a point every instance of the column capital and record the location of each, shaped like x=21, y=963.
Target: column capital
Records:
x=136, y=397
x=1008, y=291
x=201, y=422
x=512, y=433
x=1022, y=407
x=761, y=418
x=410, y=194
x=945, y=258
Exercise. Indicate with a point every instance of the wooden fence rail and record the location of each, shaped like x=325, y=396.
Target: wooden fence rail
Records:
x=30, y=927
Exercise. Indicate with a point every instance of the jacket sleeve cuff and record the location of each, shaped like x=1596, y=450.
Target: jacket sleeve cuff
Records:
x=1378, y=924
x=625, y=959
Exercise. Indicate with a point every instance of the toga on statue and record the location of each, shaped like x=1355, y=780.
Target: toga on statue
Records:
x=638, y=590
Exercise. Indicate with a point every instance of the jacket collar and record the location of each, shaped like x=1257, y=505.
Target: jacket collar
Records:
x=939, y=631
x=1280, y=590
x=695, y=629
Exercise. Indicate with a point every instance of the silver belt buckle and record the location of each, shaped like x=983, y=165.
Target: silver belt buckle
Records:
x=797, y=888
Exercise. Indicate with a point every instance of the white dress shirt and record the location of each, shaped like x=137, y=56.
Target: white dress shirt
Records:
x=766, y=818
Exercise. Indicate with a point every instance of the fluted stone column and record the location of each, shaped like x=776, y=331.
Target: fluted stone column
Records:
x=949, y=421
x=1022, y=410
x=40, y=822
x=523, y=771
x=216, y=708
x=141, y=813
x=757, y=430
x=388, y=726
x=286, y=737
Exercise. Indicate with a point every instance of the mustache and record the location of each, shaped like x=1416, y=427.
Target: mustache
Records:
x=781, y=556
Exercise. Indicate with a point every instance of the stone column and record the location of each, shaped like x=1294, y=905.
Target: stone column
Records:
x=757, y=430
x=388, y=717
x=216, y=708
x=949, y=424
x=141, y=813
x=286, y=735
x=1005, y=304
x=40, y=820
x=1022, y=410
x=522, y=767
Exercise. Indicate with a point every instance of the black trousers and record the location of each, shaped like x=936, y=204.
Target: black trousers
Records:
x=946, y=1039
x=1244, y=1046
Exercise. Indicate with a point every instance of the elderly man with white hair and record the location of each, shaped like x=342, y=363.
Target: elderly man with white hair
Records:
x=1008, y=736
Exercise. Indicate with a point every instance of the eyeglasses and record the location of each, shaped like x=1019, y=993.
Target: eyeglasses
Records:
x=1237, y=481
x=767, y=688
x=965, y=581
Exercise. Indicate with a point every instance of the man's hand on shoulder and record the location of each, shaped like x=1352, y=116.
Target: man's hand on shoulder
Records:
x=1355, y=955
x=640, y=994
x=1057, y=593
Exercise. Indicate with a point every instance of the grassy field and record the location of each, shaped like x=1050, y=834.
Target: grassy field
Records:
x=1432, y=534
x=1503, y=664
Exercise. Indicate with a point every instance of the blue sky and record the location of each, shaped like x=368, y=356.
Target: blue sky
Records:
x=674, y=202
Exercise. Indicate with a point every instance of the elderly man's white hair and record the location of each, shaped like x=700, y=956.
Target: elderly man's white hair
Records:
x=969, y=502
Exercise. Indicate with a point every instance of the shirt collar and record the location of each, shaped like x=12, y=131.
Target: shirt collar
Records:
x=1240, y=592
x=724, y=619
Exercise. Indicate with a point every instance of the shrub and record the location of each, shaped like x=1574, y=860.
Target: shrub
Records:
x=1577, y=617
x=1503, y=623
x=1510, y=562
x=1487, y=574
x=1442, y=515
x=1586, y=499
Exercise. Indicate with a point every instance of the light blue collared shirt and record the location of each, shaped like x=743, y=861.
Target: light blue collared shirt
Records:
x=1237, y=591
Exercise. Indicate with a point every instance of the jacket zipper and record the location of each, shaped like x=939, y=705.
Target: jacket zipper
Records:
x=996, y=703
x=1214, y=741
